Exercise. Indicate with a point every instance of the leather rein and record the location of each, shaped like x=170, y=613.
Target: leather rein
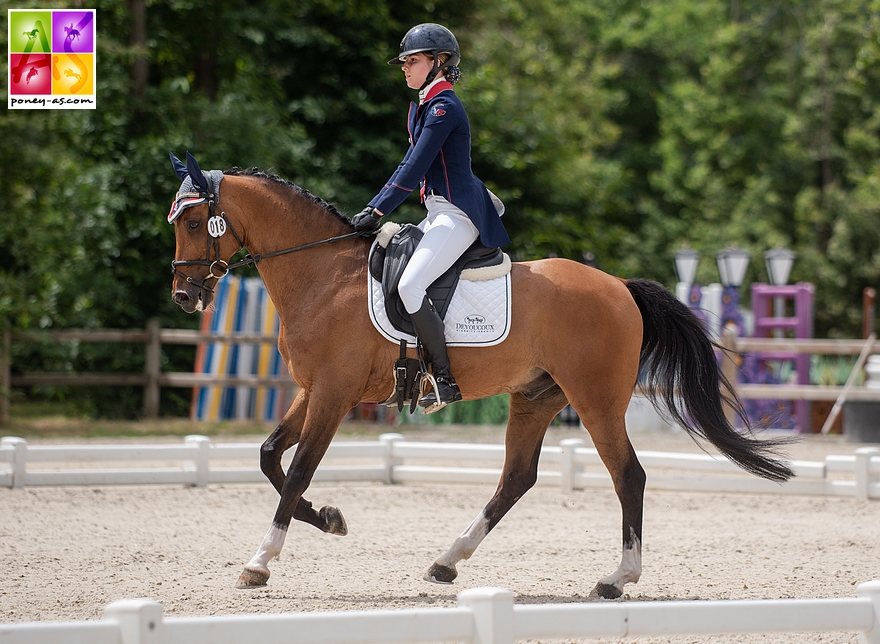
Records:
x=219, y=268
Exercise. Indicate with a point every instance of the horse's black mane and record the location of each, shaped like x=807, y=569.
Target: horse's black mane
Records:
x=254, y=172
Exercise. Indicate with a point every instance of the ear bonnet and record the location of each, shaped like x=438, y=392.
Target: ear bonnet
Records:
x=197, y=188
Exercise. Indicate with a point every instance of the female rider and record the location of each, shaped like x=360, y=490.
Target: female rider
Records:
x=460, y=208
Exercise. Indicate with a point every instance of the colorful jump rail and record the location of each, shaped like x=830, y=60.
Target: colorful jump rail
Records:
x=241, y=305
x=51, y=59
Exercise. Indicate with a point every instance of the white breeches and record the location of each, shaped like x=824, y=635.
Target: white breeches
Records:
x=448, y=233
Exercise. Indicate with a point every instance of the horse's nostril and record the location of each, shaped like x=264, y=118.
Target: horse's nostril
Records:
x=180, y=297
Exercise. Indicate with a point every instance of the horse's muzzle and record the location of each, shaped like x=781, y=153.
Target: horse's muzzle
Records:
x=191, y=298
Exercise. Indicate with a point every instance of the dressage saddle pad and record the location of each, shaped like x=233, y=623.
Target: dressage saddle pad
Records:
x=472, y=297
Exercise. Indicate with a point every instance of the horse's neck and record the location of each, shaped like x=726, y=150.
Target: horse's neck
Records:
x=275, y=217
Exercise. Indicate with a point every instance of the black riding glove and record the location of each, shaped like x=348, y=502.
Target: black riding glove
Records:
x=366, y=222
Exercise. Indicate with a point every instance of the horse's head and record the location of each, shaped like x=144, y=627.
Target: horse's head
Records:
x=205, y=238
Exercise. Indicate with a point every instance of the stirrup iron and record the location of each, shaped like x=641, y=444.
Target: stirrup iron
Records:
x=429, y=379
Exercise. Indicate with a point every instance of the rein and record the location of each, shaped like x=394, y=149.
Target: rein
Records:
x=220, y=224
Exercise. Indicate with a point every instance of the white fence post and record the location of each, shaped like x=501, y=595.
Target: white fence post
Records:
x=863, y=471
x=388, y=460
x=493, y=614
x=483, y=616
x=871, y=590
x=140, y=620
x=567, y=465
x=19, y=464
x=387, y=456
x=202, y=444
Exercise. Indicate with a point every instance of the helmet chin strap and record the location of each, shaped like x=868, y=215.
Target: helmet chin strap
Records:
x=433, y=73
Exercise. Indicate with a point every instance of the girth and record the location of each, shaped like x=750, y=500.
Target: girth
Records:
x=388, y=263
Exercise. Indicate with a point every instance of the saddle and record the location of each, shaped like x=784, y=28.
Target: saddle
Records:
x=387, y=263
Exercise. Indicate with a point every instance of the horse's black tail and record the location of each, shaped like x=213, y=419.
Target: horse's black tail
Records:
x=681, y=373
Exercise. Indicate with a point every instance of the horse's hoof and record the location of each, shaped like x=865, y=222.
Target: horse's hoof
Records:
x=334, y=522
x=438, y=574
x=606, y=591
x=252, y=579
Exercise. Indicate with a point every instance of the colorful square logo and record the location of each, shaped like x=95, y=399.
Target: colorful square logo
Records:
x=30, y=74
x=52, y=59
x=29, y=31
x=73, y=32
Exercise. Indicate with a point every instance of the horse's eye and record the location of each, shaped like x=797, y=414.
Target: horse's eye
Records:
x=192, y=224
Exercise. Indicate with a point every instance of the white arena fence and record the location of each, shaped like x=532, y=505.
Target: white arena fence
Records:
x=482, y=616
x=197, y=461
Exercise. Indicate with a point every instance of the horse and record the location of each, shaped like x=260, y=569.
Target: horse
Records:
x=71, y=32
x=577, y=336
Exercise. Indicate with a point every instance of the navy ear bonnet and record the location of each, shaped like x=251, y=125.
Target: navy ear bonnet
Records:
x=198, y=187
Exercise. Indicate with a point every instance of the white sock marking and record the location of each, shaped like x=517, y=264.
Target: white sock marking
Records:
x=465, y=545
x=271, y=547
x=630, y=566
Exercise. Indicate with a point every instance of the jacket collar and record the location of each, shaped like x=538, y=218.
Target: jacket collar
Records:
x=438, y=85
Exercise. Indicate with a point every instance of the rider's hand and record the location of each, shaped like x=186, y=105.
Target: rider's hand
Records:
x=366, y=222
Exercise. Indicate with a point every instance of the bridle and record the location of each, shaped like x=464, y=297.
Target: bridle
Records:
x=217, y=225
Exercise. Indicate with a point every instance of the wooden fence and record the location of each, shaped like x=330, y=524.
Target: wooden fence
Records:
x=482, y=616
x=152, y=379
x=815, y=346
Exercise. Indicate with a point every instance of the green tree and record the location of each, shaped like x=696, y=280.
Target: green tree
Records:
x=536, y=85
x=764, y=121
x=85, y=193
x=620, y=128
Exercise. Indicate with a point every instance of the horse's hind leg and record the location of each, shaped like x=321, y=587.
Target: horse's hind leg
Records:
x=615, y=450
x=328, y=518
x=526, y=426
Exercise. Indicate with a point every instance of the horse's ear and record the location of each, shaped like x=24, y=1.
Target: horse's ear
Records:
x=195, y=173
x=178, y=166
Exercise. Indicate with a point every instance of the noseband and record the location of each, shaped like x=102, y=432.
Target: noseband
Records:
x=217, y=225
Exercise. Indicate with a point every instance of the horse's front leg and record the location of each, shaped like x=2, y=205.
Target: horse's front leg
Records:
x=322, y=419
x=528, y=421
x=328, y=519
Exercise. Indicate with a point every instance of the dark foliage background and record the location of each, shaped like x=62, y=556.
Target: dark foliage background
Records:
x=624, y=129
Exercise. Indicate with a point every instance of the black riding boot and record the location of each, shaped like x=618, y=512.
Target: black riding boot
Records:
x=429, y=328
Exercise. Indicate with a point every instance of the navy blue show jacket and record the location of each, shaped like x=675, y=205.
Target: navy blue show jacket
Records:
x=439, y=159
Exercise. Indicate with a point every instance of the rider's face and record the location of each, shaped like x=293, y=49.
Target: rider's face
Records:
x=415, y=69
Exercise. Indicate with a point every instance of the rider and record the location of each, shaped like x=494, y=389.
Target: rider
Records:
x=460, y=208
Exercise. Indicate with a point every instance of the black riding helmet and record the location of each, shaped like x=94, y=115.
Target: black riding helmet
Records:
x=431, y=38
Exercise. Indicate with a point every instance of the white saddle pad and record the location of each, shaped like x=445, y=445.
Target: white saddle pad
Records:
x=478, y=315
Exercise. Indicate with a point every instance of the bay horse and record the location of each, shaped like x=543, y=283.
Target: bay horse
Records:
x=578, y=336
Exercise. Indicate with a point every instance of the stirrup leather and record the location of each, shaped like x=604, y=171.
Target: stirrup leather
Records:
x=407, y=382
